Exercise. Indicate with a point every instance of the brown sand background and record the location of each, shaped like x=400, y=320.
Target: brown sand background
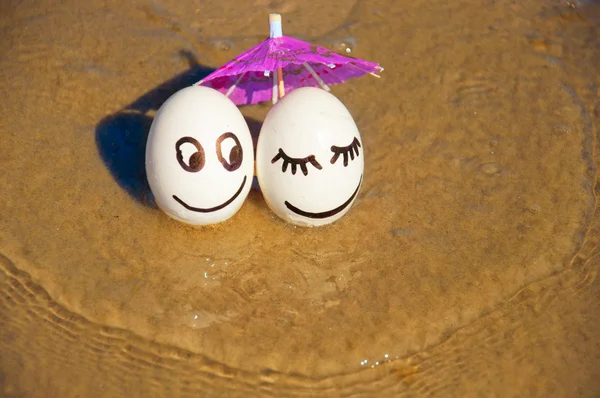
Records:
x=465, y=268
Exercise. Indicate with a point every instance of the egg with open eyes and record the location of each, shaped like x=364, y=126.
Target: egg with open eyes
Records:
x=199, y=157
x=309, y=158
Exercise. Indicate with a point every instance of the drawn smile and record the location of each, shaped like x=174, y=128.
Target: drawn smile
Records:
x=211, y=209
x=324, y=214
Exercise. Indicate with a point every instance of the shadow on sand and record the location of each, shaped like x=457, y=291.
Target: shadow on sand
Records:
x=121, y=137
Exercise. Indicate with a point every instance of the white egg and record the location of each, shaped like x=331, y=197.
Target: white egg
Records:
x=199, y=157
x=309, y=158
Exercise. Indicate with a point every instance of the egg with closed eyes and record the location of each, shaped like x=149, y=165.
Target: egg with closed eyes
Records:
x=199, y=157
x=309, y=158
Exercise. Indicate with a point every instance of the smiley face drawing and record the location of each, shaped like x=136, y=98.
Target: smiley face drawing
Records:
x=199, y=157
x=309, y=158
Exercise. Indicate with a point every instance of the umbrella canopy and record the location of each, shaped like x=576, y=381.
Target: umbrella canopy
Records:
x=281, y=63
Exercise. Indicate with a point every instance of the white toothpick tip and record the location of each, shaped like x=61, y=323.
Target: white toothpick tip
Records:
x=275, y=29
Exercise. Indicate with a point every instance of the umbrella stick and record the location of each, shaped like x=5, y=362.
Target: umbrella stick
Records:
x=275, y=26
x=274, y=97
x=316, y=77
x=280, y=83
x=275, y=31
x=234, y=85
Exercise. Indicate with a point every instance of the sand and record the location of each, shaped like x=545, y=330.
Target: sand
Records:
x=466, y=267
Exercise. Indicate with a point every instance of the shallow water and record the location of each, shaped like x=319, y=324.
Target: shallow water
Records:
x=466, y=267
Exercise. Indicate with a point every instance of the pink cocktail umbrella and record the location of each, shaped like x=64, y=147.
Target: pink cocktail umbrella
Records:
x=281, y=63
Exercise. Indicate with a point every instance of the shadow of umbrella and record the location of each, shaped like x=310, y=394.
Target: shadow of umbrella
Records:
x=121, y=137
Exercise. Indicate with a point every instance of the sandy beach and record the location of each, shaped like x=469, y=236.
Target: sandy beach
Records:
x=466, y=267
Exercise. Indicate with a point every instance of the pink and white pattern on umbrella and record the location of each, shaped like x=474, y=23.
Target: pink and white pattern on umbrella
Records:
x=248, y=78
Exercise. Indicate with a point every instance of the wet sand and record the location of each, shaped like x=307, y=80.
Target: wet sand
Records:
x=466, y=266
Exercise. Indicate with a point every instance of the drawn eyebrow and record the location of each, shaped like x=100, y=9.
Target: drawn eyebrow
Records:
x=296, y=162
x=345, y=150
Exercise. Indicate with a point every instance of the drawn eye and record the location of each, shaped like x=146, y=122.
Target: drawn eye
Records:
x=296, y=162
x=190, y=154
x=345, y=150
x=228, y=143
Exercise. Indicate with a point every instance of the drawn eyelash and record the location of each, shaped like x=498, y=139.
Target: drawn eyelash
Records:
x=296, y=162
x=345, y=150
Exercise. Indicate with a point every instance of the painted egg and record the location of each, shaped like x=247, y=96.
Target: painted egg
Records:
x=309, y=158
x=199, y=157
